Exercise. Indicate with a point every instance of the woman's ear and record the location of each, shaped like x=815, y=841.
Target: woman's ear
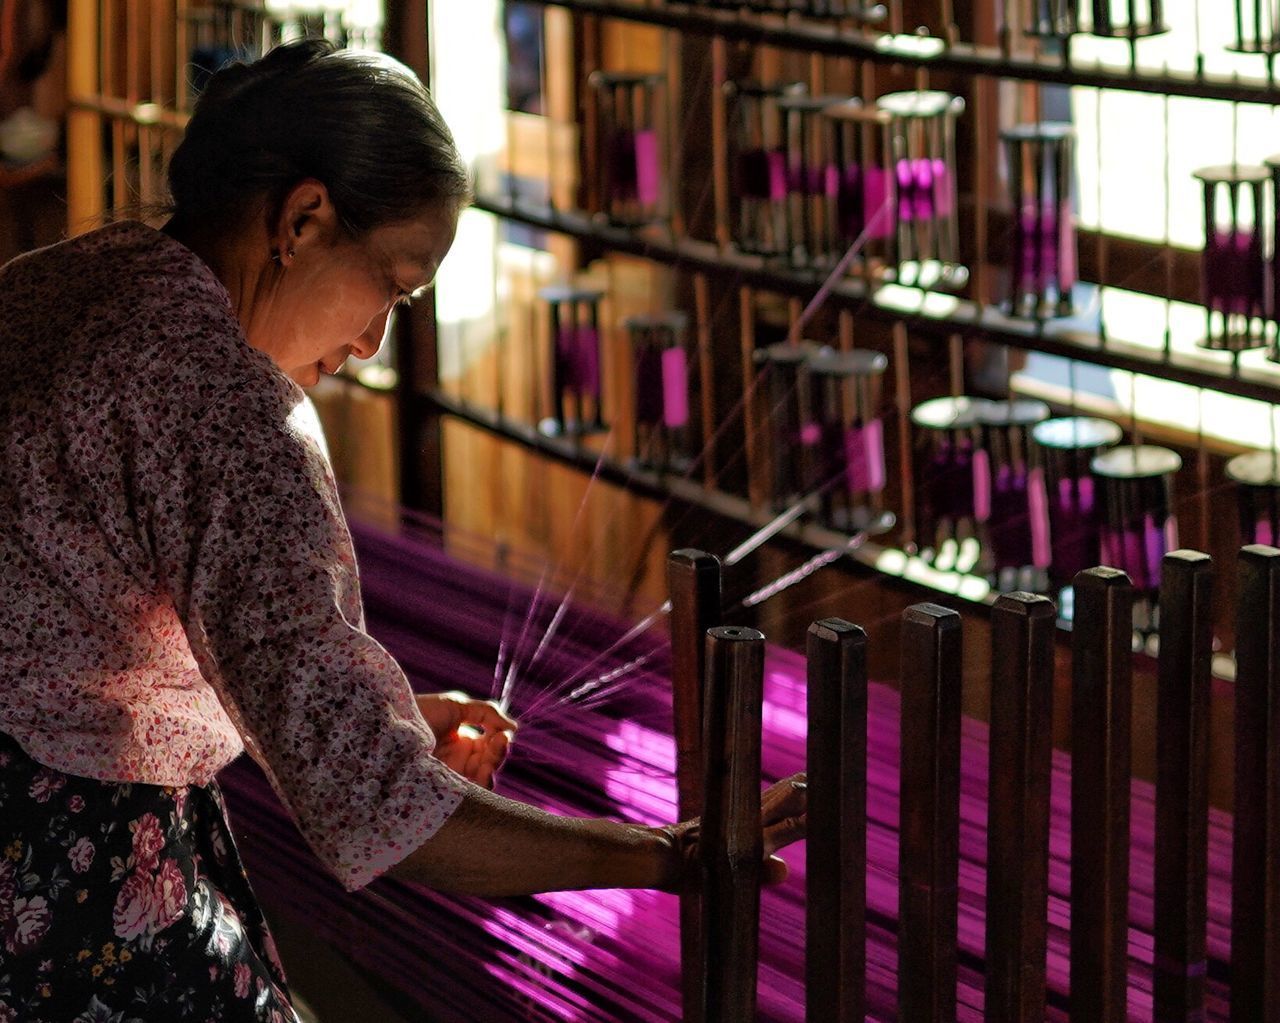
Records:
x=306, y=218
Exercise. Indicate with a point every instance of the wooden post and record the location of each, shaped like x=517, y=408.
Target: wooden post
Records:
x=1021, y=748
x=85, y=173
x=836, y=851
x=929, y=829
x=732, y=843
x=693, y=581
x=1255, y=886
x=1101, y=701
x=1182, y=789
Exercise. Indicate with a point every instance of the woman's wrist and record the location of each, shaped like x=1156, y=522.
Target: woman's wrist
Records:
x=678, y=851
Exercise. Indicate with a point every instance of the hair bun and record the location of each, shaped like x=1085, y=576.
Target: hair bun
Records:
x=233, y=80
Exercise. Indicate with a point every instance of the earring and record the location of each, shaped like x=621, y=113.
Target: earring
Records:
x=275, y=256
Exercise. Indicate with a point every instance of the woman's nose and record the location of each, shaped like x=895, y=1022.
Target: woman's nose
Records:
x=368, y=343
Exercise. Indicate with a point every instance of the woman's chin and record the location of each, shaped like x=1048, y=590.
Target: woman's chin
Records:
x=306, y=376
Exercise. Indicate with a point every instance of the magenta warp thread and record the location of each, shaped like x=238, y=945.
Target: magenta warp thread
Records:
x=813, y=178
x=1234, y=269
x=613, y=957
x=575, y=370
x=1016, y=534
x=1063, y=450
x=1256, y=476
x=848, y=461
x=661, y=358
x=630, y=160
x=787, y=420
x=865, y=199
x=952, y=470
x=758, y=160
x=1042, y=255
x=1135, y=499
x=927, y=232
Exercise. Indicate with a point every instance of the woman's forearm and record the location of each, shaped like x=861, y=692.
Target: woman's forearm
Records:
x=497, y=846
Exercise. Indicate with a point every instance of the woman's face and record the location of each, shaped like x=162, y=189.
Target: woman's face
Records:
x=334, y=294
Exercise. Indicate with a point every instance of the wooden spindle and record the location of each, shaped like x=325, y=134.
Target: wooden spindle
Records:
x=693, y=582
x=836, y=851
x=1101, y=702
x=732, y=843
x=1021, y=748
x=929, y=829
x=1182, y=789
x=1255, y=885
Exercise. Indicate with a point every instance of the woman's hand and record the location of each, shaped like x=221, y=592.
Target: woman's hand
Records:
x=783, y=809
x=471, y=735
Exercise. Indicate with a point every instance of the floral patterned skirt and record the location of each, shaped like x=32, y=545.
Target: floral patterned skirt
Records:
x=126, y=904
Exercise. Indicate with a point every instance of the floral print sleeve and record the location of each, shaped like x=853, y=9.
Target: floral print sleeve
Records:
x=252, y=544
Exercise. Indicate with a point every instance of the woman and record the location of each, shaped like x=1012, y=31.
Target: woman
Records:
x=179, y=581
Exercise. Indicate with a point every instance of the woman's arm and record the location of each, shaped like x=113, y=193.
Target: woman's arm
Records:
x=496, y=846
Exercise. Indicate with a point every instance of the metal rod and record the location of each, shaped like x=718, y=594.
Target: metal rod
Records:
x=836, y=850
x=732, y=844
x=1182, y=784
x=1021, y=748
x=929, y=828
x=1255, y=886
x=1101, y=702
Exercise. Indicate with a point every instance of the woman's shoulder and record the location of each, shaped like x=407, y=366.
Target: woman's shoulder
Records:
x=130, y=322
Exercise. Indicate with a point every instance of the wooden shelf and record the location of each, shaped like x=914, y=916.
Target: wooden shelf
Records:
x=888, y=564
x=1250, y=375
x=813, y=36
x=893, y=565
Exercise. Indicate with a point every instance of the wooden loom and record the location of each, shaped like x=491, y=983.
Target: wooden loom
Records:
x=719, y=965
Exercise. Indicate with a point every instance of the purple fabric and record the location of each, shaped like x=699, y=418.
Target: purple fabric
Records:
x=578, y=359
x=822, y=180
x=610, y=957
x=675, y=388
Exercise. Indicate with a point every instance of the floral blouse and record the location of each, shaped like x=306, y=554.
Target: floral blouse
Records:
x=176, y=574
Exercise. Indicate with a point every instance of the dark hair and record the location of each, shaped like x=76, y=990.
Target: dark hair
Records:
x=360, y=123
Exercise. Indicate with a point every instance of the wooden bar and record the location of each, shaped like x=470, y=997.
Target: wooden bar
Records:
x=1101, y=702
x=706, y=378
x=732, y=843
x=1182, y=789
x=902, y=403
x=836, y=850
x=757, y=473
x=929, y=828
x=1021, y=749
x=1255, y=884
x=693, y=582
